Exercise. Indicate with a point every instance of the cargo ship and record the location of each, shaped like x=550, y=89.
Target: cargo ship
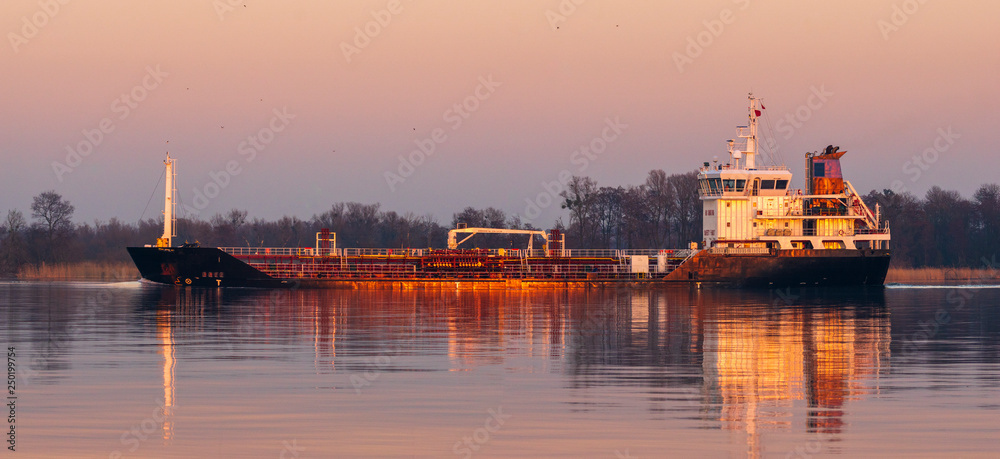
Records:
x=757, y=232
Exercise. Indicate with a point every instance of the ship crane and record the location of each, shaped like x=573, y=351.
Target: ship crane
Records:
x=453, y=241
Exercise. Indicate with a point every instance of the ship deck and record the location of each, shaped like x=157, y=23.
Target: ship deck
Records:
x=462, y=264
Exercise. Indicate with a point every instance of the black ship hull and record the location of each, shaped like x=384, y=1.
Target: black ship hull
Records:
x=212, y=267
x=783, y=268
x=198, y=267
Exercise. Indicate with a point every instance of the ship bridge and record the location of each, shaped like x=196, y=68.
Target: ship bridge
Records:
x=750, y=207
x=729, y=182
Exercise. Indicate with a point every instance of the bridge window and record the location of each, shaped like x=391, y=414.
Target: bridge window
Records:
x=730, y=184
x=715, y=185
x=767, y=184
x=740, y=185
x=780, y=184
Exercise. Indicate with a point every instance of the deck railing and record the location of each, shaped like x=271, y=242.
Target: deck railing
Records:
x=513, y=253
x=740, y=250
x=788, y=232
x=381, y=271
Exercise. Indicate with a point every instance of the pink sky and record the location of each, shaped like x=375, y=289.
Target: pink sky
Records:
x=227, y=72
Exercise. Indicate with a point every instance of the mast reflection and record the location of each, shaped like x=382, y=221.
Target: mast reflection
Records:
x=165, y=334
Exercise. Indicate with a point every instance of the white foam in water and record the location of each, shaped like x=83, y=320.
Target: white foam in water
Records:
x=962, y=286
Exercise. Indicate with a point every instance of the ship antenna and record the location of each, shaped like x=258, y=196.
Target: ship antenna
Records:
x=751, y=153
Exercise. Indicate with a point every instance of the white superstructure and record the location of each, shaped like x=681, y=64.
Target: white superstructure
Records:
x=750, y=206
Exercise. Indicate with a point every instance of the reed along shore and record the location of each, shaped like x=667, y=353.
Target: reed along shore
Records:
x=118, y=271
x=938, y=275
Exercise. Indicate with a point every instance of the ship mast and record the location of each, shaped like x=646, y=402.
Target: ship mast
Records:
x=749, y=132
x=751, y=153
x=169, y=221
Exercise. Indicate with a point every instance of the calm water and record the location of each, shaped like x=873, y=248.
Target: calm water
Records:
x=131, y=370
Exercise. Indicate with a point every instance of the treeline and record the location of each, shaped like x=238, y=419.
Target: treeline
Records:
x=662, y=212
x=943, y=229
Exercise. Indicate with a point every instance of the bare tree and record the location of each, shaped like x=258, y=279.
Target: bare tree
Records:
x=662, y=203
x=470, y=216
x=909, y=225
x=987, y=220
x=362, y=221
x=688, y=207
x=53, y=216
x=12, y=250
x=237, y=218
x=579, y=198
x=608, y=216
x=15, y=223
x=227, y=227
x=52, y=212
x=333, y=218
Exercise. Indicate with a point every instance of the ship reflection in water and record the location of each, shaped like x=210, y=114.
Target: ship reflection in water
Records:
x=766, y=362
x=760, y=366
x=746, y=362
x=586, y=373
